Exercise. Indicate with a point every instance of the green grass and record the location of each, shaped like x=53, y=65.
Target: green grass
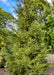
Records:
x=0, y=55
x=52, y=65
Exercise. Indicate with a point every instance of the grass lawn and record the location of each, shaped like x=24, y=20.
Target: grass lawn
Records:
x=52, y=65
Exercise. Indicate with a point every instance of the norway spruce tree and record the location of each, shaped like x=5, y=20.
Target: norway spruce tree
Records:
x=28, y=51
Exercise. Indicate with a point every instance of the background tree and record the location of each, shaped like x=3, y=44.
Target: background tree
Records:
x=50, y=28
x=4, y=32
x=4, y=18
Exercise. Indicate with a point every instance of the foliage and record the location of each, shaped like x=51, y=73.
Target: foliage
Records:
x=4, y=18
x=26, y=50
x=4, y=32
x=2, y=62
x=52, y=65
x=50, y=29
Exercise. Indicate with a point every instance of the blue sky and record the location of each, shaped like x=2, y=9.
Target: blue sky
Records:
x=7, y=5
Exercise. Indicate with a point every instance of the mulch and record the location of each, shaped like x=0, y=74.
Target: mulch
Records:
x=50, y=71
x=2, y=72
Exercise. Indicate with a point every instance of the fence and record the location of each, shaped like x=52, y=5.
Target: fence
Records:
x=50, y=58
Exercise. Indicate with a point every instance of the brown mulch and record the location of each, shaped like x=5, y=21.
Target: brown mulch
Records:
x=50, y=70
x=2, y=72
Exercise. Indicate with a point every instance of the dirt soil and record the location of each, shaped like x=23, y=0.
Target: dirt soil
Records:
x=50, y=70
x=2, y=72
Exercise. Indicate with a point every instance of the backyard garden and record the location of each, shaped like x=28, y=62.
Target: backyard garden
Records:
x=27, y=40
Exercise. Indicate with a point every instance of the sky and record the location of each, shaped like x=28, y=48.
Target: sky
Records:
x=7, y=5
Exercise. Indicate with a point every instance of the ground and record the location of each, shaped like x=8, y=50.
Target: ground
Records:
x=50, y=71
x=2, y=72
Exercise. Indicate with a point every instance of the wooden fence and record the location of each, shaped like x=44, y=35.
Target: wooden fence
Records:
x=50, y=58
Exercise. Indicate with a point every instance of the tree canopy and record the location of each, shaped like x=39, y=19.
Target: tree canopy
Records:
x=4, y=18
